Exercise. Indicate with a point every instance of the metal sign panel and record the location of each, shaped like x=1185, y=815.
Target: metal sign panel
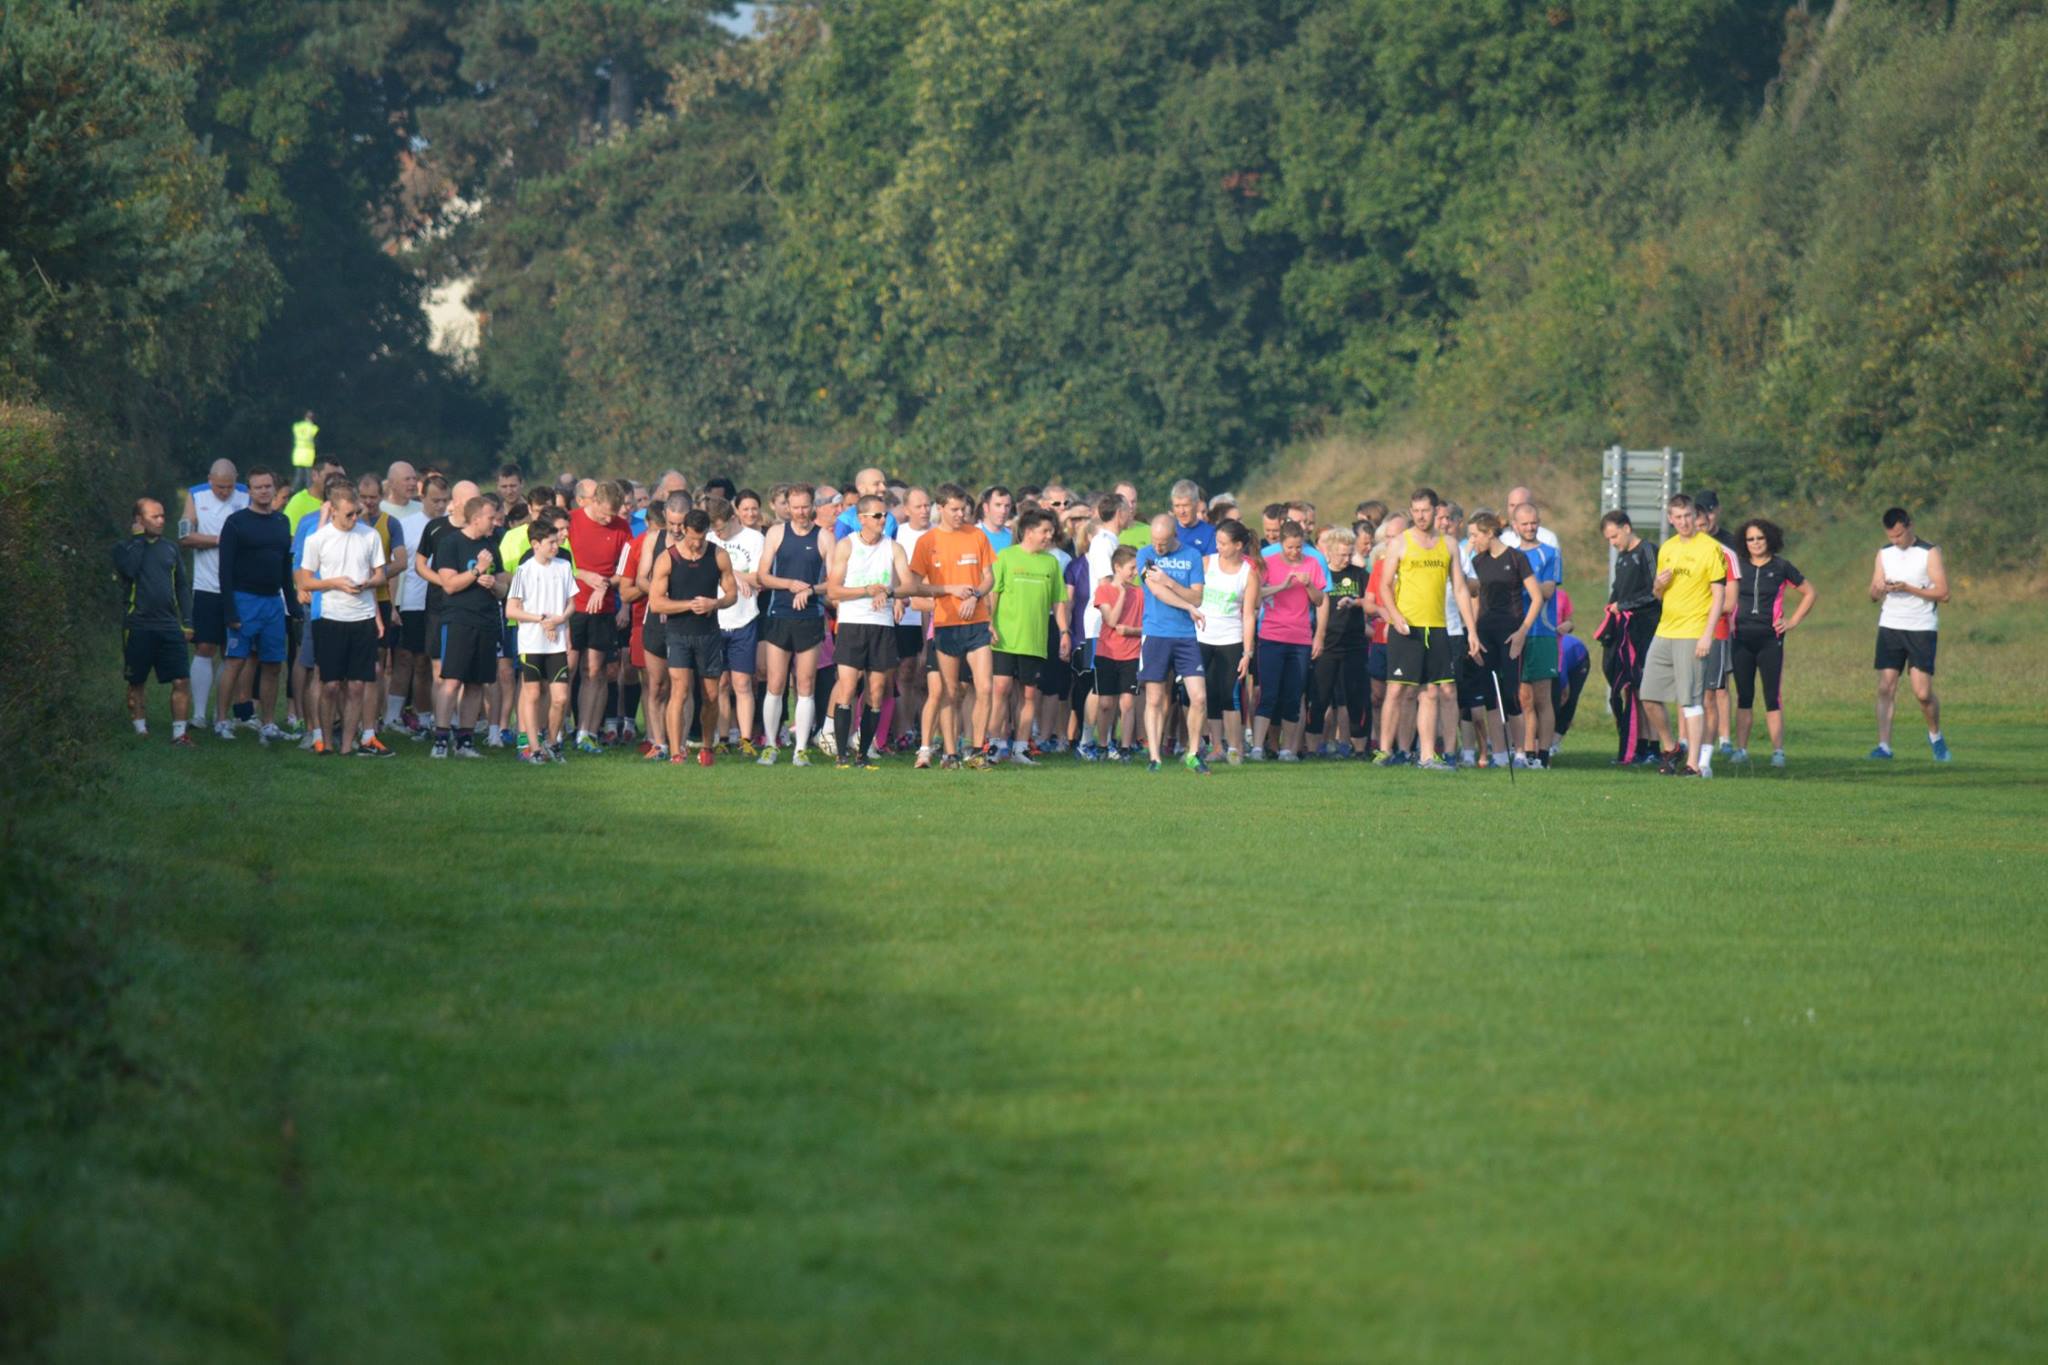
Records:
x=1640, y=483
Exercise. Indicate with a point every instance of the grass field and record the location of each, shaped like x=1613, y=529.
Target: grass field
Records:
x=424, y=1062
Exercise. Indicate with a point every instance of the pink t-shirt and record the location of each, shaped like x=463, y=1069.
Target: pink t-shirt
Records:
x=1286, y=619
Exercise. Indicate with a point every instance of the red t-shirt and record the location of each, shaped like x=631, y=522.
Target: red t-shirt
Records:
x=1112, y=644
x=599, y=549
x=1376, y=589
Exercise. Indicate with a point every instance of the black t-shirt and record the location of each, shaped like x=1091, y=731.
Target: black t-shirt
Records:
x=1635, y=577
x=1347, y=625
x=430, y=536
x=1758, y=591
x=476, y=604
x=1500, y=588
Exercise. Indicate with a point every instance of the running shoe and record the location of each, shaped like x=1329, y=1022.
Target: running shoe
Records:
x=1152, y=766
x=496, y=740
x=375, y=748
x=1234, y=757
x=978, y=761
x=184, y=741
x=1085, y=752
x=1435, y=764
x=799, y=759
x=439, y=750
x=675, y=759
x=270, y=734
x=1707, y=771
x=747, y=749
x=654, y=753
x=609, y=736
x=223, y=729
x=924, y=759
x=950, y=761
x=1882, y=751
x=1287, y=756
x=468, y=751
x=1738, y=756
x=1258, y=753
x=1116, y=755
x=294, y=727
x=587, y=744
x=533, y=756
x=1939, y=744
x=1777, y=758
x=906, y=743
x=843, y=763
x=555, y=753
x=767, y=758
x=1024, y=757
x=1382, y=759
x=704, y=759
x=1197, y=765
x=868, y=764
x=321, y=748
x=628, y=732
x=1724, y=748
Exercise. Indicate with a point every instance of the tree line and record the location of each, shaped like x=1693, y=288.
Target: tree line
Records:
x=1074, y=237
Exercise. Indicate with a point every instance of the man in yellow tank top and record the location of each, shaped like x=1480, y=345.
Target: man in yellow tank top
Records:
x=1419, y=657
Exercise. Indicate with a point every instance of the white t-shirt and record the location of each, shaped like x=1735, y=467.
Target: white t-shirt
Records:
x=1902, y=610
x=1222, y=604
x=334, y=553
x=412, y=589
x=209, y=514
x=544, y=590
x=908, y=536
x=1454, y=624
x=1099, y=551
x=744, y=550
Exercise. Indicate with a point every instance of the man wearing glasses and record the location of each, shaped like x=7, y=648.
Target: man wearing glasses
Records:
x=868, y=569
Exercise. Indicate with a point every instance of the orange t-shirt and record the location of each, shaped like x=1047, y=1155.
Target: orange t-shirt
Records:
x=954, y=559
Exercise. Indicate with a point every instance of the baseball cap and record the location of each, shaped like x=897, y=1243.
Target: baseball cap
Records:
x=1706, y=500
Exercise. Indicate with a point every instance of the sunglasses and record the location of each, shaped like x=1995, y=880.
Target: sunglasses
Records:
x=874, y=516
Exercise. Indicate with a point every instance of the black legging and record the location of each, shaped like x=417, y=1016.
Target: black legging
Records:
x=1219, y=674
x=1501, y=675
x=1622, y=662
x=1757, y=649
x=1338, y=681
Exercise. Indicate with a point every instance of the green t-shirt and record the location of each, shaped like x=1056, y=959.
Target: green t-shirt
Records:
x=301, y=502
x=1137, y=535
x=1026, y=586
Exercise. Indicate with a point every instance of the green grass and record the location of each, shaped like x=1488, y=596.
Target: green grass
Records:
x=612, y=1062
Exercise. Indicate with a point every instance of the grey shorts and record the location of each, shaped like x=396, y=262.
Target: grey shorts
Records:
x=1718, y=664
x=1672, y=675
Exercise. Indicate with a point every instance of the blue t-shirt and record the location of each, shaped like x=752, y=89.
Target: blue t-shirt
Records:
x=308, y=524
x=1571, y=653
x=1164, y=619
x=849, y=525
x=1201, y=537
x=1548, y=567
x=999, y=541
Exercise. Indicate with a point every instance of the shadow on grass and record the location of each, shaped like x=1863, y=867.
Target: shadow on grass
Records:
x=599, y=1080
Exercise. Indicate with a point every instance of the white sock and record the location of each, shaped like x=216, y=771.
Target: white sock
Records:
x=141, y=725
x=771, y=718
x=177, y=729
x=1469, y=757
x=317, y=735
x=202, y=685
x=393, y=702
x=806, y=713
x=1933, y=735
x=368, y=736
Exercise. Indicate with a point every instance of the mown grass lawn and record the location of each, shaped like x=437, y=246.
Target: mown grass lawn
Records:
x=611, y=1062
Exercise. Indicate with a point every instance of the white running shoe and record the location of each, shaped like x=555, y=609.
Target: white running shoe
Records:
x=497, y=739
x=767, y=758
x=1286, y=756
x=223, y=729
x=1777, y=758
x=1256, y=753
x=799, y=759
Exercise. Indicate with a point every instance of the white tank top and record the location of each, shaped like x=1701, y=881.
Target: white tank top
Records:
x=209, y=515
x=866, y=564
x=1222, y=604
x=907, y=537
x=1902, y=610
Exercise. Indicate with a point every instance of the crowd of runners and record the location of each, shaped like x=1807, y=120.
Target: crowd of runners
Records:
x=964, y=628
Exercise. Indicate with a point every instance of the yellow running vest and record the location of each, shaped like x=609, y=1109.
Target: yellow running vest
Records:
x=1423, y=574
